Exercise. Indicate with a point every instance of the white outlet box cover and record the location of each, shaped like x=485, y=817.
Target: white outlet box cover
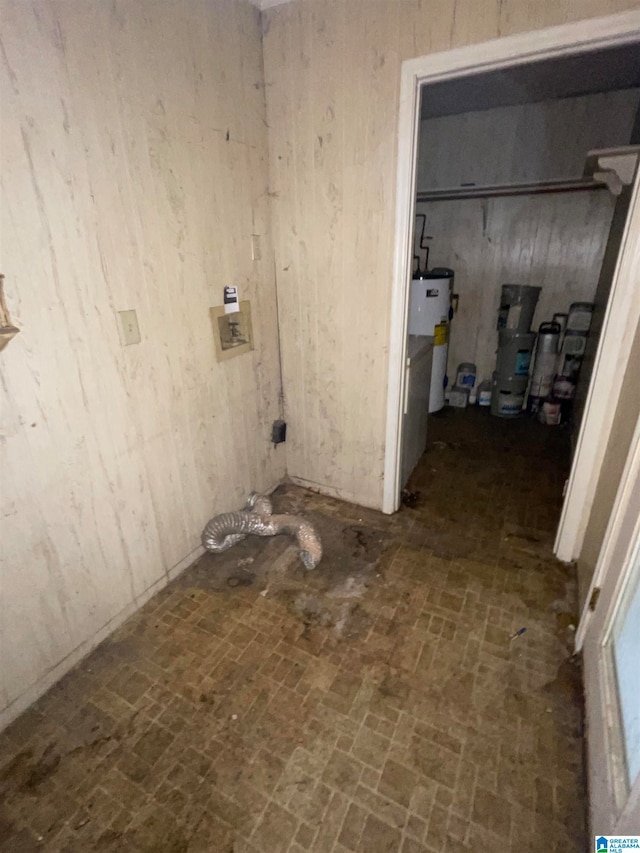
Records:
x=129, y=329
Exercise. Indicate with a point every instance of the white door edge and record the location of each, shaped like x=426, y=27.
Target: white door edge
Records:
x=408, y=124
x=609, y=814
x=630, y=473
x=552, y=42
x=618, y=330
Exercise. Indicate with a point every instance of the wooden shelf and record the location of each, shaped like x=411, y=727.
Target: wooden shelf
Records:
x=503, y=190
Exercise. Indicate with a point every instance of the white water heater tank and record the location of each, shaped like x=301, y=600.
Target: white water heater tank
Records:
x=429, y=308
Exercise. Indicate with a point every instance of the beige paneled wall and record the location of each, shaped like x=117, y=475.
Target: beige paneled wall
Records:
x=555, y=242
x=332, y=73
x=134, y=170
x=551, y=241
x=541, y=141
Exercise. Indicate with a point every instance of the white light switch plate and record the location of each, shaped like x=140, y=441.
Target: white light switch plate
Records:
x=129, y=329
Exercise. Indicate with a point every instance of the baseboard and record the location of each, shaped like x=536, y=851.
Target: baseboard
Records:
x=51, y=676
x=332, y=492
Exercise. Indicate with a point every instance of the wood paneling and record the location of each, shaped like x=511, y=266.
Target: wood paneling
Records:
x=543, y=141
x=555, y=242
x=134, y=170
x=332, y=72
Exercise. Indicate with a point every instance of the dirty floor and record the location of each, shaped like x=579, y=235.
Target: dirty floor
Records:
x=380, y=703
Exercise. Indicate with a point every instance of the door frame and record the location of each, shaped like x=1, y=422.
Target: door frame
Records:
x=614, y=347
x=623, y=311
x=612, y=571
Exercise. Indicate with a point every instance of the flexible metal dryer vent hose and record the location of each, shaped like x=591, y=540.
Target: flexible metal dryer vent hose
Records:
x=226, y=530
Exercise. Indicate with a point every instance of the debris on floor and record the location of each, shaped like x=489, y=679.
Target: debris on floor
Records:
x=374, y=705
x=410, y=499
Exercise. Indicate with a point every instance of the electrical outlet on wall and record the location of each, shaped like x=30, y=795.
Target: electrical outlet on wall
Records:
x=256, y=247
x=129, y=329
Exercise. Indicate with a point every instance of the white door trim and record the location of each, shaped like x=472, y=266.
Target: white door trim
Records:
x=616, y=339
x=628, y=481
x=564, y=40
x=608, y=816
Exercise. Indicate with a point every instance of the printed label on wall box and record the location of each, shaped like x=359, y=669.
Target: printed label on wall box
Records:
x=231, y=300
x=440, y=334
x=616, y=843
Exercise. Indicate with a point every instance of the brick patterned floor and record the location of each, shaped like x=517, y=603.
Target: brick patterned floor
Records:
x=376, y=704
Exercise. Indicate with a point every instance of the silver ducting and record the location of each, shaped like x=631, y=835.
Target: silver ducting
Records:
x=226, y=530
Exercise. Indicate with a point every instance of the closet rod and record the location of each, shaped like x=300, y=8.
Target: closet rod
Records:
x=536, y=188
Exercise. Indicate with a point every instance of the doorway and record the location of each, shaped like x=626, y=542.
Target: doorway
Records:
x=605, y=389
x=623, y=311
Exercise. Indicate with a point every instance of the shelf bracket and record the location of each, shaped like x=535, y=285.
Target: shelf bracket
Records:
x=615, y=167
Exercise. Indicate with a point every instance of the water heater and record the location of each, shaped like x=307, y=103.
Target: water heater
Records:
x=429, y=314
